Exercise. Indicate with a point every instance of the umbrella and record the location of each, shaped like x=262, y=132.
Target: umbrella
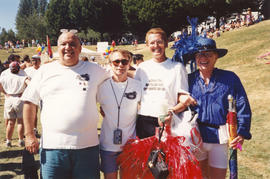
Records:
x=232, y=129
x=180, y=161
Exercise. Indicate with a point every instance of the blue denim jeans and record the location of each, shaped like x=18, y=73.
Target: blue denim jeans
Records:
x=70, y=164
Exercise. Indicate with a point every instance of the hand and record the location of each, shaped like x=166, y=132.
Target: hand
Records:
x=166, y=120
x=239, y=139
x=31, y=143
x=187, y=100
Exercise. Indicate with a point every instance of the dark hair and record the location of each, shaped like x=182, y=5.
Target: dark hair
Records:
x=26, y=58
x=137, y=57
x=11, y=58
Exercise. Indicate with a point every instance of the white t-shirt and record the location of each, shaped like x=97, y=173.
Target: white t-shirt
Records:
x=69, y=114
x=161, y=84
x=7, y=71
x=30, y=71
x=13, y=84
x=128, y=111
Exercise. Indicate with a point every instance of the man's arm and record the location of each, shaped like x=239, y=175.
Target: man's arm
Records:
x=29, y=113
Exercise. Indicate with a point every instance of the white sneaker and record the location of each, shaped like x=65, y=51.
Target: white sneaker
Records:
x=8, y=144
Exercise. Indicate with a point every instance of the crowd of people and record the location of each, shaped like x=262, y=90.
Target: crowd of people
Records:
x=131, y=98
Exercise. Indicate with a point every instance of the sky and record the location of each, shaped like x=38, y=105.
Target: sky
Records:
x=8, y=12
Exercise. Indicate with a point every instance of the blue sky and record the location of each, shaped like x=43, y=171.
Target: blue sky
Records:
x=8, y=11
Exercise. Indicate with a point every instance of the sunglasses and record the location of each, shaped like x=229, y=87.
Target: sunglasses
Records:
x=74, y=31
x=204, y=54
x=122, y=61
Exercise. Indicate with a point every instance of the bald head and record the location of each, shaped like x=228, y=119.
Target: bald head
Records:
x=69, y=48
x=70, y=35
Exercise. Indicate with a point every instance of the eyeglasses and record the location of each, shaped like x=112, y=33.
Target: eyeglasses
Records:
x=74, y=31
x=123, y=62
x=204, y=54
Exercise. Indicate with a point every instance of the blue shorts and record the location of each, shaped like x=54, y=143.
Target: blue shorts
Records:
x=109, y=161
x=70, y=163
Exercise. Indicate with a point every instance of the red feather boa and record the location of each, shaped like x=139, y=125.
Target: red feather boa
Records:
x=181, y=162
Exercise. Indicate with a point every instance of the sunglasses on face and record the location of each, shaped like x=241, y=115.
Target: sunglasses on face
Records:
x=118, y=61
x=204, y=54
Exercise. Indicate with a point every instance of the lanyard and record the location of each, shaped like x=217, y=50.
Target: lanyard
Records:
x=118, y=104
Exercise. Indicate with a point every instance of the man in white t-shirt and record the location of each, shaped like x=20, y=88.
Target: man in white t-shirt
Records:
x=31, y=71
x=118, y=97
x=164, y=86
x=69, y=116
x=12, y=84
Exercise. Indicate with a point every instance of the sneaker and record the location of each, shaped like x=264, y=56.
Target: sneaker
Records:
x=21, y=143
x=8, y=144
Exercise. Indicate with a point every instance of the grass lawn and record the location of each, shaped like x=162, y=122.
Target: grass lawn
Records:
x=244, y=46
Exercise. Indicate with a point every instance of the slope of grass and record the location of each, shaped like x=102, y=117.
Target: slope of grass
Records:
x=244, y=46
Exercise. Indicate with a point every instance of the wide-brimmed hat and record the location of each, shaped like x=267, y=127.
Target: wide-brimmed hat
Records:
x=206, y=44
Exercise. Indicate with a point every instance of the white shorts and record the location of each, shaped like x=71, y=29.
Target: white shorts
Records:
x=217, y=155
x=13, y=108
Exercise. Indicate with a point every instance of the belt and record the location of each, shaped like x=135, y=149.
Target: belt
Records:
x=207, y=124
x=15, y=95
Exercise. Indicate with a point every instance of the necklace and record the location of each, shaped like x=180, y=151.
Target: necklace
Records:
x=118, y=104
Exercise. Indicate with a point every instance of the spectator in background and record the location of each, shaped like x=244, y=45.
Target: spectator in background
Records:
x=85, y=59
x=26, y=62
x=113, y=43
x=137, y=59
x=93, y=59
x=69, y=115
x=249, y=18
x=30, y=72
x=12, y=84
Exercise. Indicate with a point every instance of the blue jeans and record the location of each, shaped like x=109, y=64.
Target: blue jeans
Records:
x=70, y=164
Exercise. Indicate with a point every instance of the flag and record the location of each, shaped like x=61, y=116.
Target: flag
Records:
x=49, y=47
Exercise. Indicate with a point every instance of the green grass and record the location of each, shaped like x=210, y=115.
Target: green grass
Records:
x=244, y=46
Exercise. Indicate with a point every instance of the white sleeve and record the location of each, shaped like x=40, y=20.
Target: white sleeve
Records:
x=183, y=81
x=137, y=74
x=32, y=91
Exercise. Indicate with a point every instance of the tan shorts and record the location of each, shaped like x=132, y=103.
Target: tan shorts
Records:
x=13, y=108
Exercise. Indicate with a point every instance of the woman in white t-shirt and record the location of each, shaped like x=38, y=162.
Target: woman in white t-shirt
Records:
x=118, y=97
x=164, y=86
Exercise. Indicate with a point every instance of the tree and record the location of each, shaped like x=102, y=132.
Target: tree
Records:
x=30, y=22
x=57, y=17
x=141, y=15
x=7, y=36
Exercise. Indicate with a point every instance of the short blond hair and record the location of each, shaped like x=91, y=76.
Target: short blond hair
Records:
x=157, y=31
x=125, y=53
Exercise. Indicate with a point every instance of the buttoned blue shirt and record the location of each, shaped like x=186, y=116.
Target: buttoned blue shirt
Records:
x=212, y=103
